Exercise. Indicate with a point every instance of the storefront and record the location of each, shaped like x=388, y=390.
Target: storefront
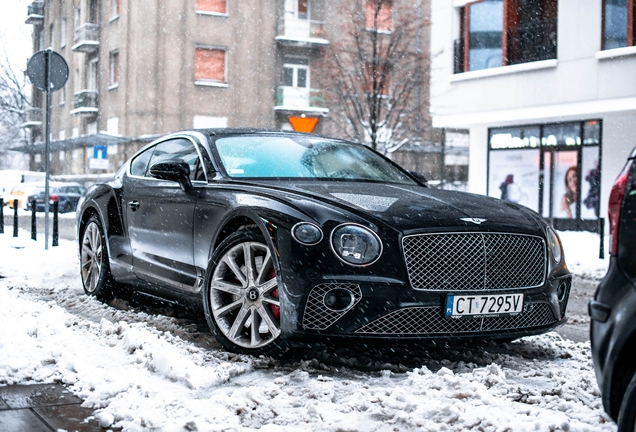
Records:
x=554, y=169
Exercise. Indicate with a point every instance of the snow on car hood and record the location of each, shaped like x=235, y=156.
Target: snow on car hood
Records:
x=409, y=208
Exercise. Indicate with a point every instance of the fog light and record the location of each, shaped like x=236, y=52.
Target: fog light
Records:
x=338, y=300
x=561, y=291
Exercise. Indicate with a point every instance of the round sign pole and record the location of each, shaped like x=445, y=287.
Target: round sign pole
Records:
x=47, y=148
x=48, y=71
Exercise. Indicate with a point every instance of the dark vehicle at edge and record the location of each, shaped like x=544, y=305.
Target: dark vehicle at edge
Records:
x=613, y=309
x=66, y=194
x=284, y=238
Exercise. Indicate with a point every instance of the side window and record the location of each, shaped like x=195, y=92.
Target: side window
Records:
x=182, y=149
x=140, y=163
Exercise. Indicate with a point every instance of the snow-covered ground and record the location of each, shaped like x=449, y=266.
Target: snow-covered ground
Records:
x=141, y=370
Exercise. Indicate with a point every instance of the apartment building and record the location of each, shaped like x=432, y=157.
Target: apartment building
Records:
x=547, y=90
x=143, y=68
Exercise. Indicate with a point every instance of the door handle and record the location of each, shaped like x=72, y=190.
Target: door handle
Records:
x=134, y=205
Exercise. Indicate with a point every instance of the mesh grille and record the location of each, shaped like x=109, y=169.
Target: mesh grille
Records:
x=474, y=261
x=429, y=320
x=317, y=316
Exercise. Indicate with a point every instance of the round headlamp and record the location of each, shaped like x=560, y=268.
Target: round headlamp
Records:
x=555, y=245
x=356, y=245
x=306, y=233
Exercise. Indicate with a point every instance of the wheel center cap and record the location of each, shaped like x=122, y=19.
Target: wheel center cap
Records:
x=252, y=294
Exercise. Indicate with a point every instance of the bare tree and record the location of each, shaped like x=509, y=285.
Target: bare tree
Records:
x=374, y=73
x=14, y=103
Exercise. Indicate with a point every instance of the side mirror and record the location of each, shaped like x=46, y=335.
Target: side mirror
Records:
x=174, y=170
x=419, y=177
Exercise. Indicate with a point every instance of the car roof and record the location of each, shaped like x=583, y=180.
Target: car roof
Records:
x=226, y=132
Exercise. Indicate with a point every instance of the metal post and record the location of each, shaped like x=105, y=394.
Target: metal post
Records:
x=46, y=152
x=15, y=218
x=56, y=232
x=1, y=216
x=601, y=251
x=34, y=225
x=442, y=165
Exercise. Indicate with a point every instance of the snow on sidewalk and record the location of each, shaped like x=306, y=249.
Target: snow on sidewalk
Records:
x=141, y=371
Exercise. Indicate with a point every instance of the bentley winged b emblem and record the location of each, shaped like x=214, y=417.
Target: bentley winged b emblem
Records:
x=476, y=221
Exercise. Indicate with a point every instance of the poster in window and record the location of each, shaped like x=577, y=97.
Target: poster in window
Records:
x=514, y=176
x=590, y=183
x=566, y=177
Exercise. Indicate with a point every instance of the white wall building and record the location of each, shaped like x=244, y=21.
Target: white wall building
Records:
x=547, y=89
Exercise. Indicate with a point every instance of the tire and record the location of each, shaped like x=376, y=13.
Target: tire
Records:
x=236, y=295
x=627, y=414
x=94, y=266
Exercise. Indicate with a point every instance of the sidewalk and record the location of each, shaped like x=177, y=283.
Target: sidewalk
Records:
x=43, y=407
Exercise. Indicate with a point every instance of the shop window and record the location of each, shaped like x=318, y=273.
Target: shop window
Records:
x=379, y=15
x=212, y=6
x=210, y=66
x=618, y=23
x=497, y=33
x=553, y=169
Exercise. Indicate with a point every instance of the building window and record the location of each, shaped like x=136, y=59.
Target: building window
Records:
x=618, y=23
x=379, y=15
x=63, y=33
x=213, y=7
x=52, y=36
x=497, y=33
x=210, y=66
x=303, y=9
x=114, y=5
x=114, y=68
x=296, y=72
x=551, y=168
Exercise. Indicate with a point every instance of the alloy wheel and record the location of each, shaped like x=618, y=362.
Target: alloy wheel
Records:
x=244, y=296
x=91, y=257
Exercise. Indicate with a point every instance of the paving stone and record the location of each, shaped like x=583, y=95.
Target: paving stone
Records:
x=38, y=395
x=70, y=418
x=22, y=420
x=3, y=405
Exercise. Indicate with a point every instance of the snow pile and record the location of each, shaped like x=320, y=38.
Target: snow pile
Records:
x=582, y=254
x=142, y=371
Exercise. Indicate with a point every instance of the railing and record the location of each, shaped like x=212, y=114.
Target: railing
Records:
x=294, y=97
x=86, y=38
x=85, y=102
x=531, y=42
x=35, y=13
x=300, y=31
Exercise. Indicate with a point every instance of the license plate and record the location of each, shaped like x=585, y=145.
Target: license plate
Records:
x=479, y=305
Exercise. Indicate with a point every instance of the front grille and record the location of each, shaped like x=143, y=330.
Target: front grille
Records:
x=317, y=316
x=474, y=261
x=429, y=321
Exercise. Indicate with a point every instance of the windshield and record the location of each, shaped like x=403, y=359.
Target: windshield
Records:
x=306, y=158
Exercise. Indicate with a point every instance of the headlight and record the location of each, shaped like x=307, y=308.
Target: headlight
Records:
x=306, y=233
x=356, y=245
x=555, y=245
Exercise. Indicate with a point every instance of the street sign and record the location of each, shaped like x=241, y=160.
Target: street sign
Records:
x=37, y=73
x=100, y=158
x=48, y=72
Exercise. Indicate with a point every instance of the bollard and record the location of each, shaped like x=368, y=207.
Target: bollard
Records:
x=34, y=226
x=15, y=218
x=1, y=216
x=56, y=232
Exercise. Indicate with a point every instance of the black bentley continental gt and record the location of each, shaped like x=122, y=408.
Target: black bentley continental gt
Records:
x=285, y=238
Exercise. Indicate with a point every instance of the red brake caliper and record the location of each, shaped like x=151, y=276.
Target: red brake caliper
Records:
x=275, y=309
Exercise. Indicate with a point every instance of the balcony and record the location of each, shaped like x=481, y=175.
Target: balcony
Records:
x=35, y=13
x=86, y=38
x=33, y=118
x=301, y=33
x=85, y=103
x=300, y=100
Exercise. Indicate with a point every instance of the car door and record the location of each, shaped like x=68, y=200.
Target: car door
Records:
x=160, y=214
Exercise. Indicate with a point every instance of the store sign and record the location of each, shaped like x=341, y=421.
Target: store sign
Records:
x=100, y=158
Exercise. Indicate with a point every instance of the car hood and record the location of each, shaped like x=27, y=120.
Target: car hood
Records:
x=416, y=208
